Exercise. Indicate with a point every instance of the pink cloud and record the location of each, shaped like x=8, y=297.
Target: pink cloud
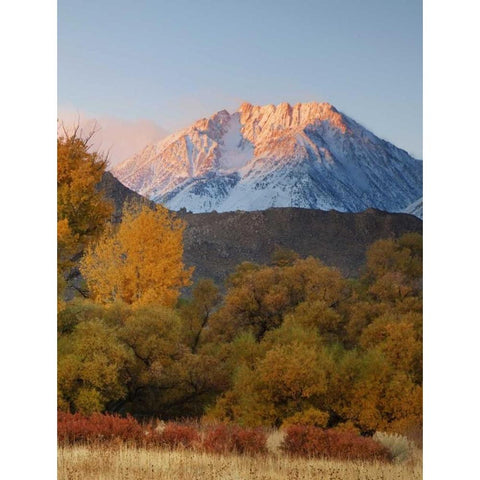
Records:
x=119, y=138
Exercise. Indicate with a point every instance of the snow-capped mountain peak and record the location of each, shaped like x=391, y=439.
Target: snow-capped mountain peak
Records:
x=307, y=155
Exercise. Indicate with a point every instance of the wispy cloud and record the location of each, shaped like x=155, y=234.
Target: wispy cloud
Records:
x=117, y=137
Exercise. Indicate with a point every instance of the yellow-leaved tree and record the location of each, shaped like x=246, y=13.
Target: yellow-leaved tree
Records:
x=82, y=208
x=140, y=260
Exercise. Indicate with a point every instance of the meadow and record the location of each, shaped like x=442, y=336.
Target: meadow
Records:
x=109, y=447
x=124, y=462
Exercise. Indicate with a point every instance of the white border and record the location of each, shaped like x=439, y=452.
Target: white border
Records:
x=451, y=238
x=28, y=241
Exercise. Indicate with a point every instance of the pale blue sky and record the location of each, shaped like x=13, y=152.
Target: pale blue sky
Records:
x=172, y=62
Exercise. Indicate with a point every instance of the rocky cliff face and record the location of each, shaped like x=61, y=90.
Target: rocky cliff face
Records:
x=308, y=155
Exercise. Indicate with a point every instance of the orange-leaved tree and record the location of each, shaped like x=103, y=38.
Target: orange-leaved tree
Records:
x=140, y=260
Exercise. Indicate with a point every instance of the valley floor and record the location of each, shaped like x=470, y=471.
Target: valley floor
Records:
x=107, y=463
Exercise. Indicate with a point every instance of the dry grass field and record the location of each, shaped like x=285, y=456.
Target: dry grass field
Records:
x=122, y=463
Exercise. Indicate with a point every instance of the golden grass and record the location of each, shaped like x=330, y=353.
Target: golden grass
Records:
x=123, y=462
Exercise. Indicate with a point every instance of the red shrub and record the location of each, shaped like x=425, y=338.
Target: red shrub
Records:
x=75, y=428
x=231, y=438
x=216, y=439
x=308, y=441
x=249, y=441
x=175, y=435
x=98, y=428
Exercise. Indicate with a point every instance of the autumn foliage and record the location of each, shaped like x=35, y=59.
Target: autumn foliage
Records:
x=329, y=353
x=104, y=428
x=299, y=440
x=140, y=261
x=82, y=210
x=77, y=428
x=292, y=344
x=175, y=435
x=309, y=441
x=223, y=438
x=324, y=351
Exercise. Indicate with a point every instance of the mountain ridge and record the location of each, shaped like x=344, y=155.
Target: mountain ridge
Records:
x=215, y=243
x=308, y=155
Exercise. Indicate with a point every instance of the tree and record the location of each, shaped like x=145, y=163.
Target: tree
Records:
x=282, y=257
x=286, y=381
x=196, y=312
x=398, y=337
x=401, y=258
x=82, y=210
x=369, y=391
x=392, y=284
x=92, y=368
x=140, y=261
x=317, y=314
x=259, y=297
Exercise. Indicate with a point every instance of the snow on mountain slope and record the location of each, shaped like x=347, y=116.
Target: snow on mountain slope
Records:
x=308, y=155
x=415, y=208
x=235, y=151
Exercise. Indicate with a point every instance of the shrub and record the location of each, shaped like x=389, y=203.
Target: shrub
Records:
x=309, y=441
x=216, y=439
x=231, y=438
x=347, y=426
x=77, y=428
x=399, y=446
x=174, y=435
x=312, y=416
x=88, y=401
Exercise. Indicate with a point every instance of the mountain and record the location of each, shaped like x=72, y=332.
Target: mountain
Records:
x=215, y=243
x=415, y=208
x=118, y=194
x=308, y=155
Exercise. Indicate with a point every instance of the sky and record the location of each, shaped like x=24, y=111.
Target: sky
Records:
x=145, y=68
